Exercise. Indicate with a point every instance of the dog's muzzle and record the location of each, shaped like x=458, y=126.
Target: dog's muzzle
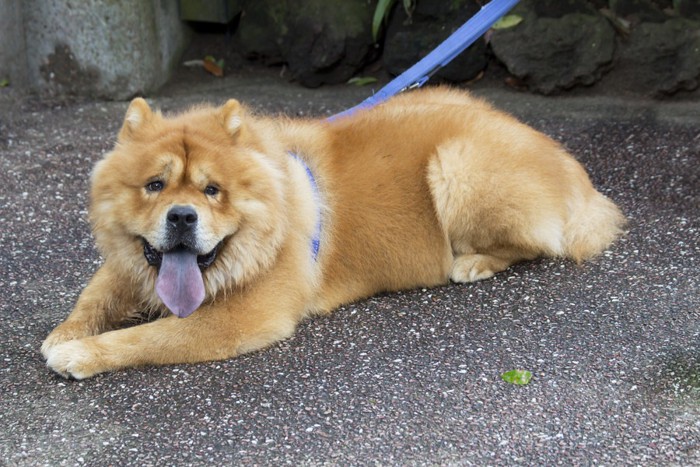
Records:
x=181, y=224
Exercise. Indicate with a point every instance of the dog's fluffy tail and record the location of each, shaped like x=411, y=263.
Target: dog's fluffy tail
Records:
x=595, y=222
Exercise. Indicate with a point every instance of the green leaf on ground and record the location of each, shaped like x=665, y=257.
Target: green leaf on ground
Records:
x=519, y=377
x=507, y=21
x=362, y=80
x=4, y=82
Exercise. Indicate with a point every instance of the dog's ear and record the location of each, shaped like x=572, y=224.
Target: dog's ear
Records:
x=137, y=115
x=232, y=117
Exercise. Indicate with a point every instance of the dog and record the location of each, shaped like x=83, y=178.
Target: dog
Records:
x=233, y=227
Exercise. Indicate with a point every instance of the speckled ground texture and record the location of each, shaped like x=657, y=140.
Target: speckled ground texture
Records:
x=405, y=378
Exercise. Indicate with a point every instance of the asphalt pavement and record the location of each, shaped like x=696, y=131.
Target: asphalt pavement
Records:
x=410, y=378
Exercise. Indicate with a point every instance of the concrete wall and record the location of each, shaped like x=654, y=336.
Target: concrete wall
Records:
x=100, y=48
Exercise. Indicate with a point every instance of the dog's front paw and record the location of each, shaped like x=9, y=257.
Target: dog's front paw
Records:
x=65, y=332
x=74, y=359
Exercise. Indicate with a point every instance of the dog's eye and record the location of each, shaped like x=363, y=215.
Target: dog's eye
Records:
x=211, y=190
x=155, y=185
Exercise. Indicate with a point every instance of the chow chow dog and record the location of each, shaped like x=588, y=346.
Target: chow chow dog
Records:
x=234, y=227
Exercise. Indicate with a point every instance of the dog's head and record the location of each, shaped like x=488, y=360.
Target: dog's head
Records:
x=190, y=205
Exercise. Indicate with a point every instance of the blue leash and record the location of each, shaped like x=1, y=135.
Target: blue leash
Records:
x=443, y=54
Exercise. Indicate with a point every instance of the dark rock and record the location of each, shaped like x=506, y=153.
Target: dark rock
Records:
x=560, y=44
x=553, y=54
x=638, y=11
x=660, y=58
x=559, y=8
x=322, y=42
x=410, y=39
x=688, y=8
x=260, y=30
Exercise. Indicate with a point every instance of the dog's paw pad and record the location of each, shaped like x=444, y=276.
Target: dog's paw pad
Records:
x=471, y=268
x=72, y=359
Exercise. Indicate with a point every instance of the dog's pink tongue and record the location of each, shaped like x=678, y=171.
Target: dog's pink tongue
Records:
x=180, y=284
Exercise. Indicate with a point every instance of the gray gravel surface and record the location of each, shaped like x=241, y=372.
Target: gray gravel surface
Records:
x=400, y=379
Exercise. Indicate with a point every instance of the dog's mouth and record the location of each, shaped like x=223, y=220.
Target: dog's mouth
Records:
x=155, y=257
x=180, y=284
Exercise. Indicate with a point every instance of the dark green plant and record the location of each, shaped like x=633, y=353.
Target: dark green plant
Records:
x=381, y=14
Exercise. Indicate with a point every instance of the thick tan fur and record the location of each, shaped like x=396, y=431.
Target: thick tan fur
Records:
x=431, y=186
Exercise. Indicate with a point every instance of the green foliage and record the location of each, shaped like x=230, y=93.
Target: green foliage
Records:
x=507, y=21
x=362, y=80
x=4, y=82
x=381, y=14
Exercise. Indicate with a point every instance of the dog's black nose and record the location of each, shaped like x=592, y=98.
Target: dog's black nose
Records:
x=182, y=217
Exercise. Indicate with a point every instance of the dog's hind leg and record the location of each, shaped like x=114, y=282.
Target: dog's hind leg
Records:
x=471, y=267
x=501, y=204
x=478, y=224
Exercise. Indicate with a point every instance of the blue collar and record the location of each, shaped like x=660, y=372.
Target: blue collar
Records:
x=316, y=239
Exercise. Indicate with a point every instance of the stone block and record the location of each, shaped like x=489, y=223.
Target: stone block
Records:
x=102, y=48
